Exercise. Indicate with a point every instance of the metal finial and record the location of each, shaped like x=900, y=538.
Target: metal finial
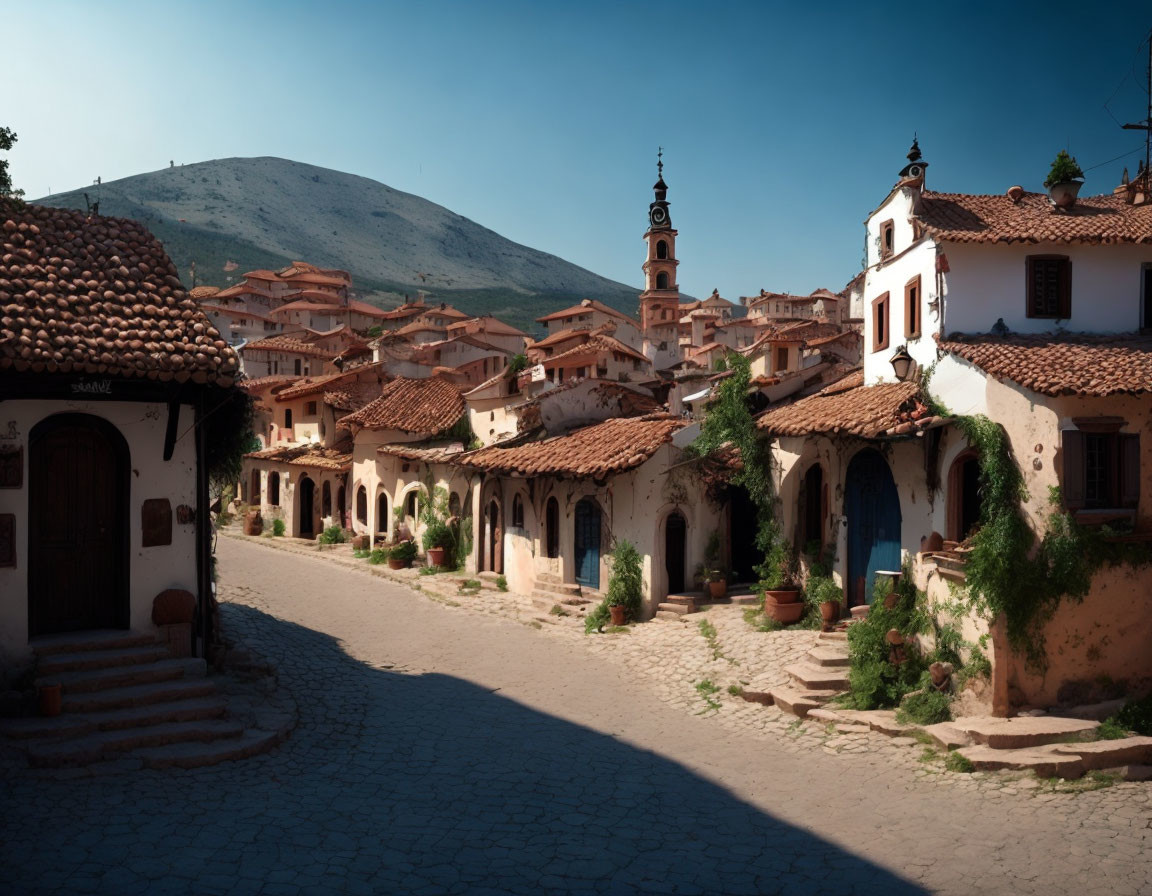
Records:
x=660, y=161
x=914, y=152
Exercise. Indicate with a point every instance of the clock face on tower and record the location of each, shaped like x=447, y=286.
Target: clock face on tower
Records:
x=658, y=215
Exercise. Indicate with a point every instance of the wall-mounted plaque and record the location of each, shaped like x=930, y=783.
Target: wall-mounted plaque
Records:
x=156, y=522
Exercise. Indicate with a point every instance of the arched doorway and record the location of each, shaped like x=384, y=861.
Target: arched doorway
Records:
x=326, y=499
x=964, y=502
x=586, y=556
x=552, y=529
x=274, y=489
x=78, y=525
x=382, y=513
x=362, y=505
x=675, y=537
x=307, y=507
x=872, y=506
x=493, y=552
x=812, y=508
x=742, y=527
x=254, y=489
x=342, y=507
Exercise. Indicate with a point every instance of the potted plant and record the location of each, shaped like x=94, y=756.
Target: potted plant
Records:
x=781, y=582
x=1064, y=180
x=825, y=596
x=625, y=589
x=441, y=529
x=437, y=540
x=715, y=578
x=401, y=555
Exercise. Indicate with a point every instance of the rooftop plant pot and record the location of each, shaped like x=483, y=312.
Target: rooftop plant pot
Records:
x=1064, y=195
x=436, y=556
x=617, y=612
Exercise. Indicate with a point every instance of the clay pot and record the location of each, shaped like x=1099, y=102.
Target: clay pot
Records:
x=717, y=588
x=932, y=543
x=617, y=612
x=1064, y=195
x=51, y=697
x=253, y=523
x=173, y=606
x=787, y=596
x=829, y=612
x=785, y=614
x=436, y=556
x=397, y=564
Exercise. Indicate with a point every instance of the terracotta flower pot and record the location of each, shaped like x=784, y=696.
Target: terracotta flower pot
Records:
x=829, y=612
x=785, y=596
x=717, y=588
x=617, y=612
x=397, y=564
x=785, y=614
x=436, y=556
x=51, y=699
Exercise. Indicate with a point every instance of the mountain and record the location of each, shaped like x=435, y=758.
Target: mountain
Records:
x=235, y=215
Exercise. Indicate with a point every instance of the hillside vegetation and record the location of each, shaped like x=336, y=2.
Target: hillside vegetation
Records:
x=233, y=215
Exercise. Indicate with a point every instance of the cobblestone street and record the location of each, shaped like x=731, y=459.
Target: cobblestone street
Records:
x=458, y=746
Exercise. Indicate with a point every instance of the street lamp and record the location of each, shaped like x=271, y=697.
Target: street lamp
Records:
x=902, y=363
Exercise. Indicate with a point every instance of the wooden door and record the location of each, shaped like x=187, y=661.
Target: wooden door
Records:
x=675, y=531
x=587, y=546
x=872, y=506
x=307, y=505
x=77, y=526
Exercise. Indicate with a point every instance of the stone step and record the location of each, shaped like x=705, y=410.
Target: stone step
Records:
x=799, y=702
x=814, y=677
x=1108, y=753
x=57, y=663
x=198, y=755
x=832, y=636
x=562, y=590
x=138, y=695
x=948, y=736
x=1043, y=762
x=829, y=657
x=105, y=744
x=678, y=609
x=79, y=642
x=86, y=680
x=565, y=600
x=684, y=600
x=1025, y=731
x=669, y=615
x=75, y=724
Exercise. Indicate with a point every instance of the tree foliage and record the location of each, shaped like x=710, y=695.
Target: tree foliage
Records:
x=7, y=141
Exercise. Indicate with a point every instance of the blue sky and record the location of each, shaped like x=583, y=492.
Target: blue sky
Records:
x=783, y=124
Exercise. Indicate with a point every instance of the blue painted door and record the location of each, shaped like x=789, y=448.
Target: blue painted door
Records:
x=872, y=506
x=587, y=553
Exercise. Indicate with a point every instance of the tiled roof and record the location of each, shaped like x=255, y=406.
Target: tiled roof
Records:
x=97, y=295
x=596, y=345
x=966, y=218
x=203, y=292
x=310, y=385
x=602, y=449
x=352, y=396
x=866, y=411
x=305, y=305
x=429, y=452
x=491, y=325
x=263, y=382
x=338, y=457
x=586, y=307
x=420, y=327
x=289, y=344
x=426, y=405
x=1075, y=364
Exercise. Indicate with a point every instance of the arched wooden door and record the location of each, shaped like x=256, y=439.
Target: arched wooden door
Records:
x=675, y=532
x=872, y=506
x=78, y=525
x=586, y=555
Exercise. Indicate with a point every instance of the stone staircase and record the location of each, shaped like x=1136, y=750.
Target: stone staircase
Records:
x=822, y=675
x=677, y=606
x=549, y=591
x=125, y=697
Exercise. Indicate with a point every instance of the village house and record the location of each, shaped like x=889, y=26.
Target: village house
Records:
x=1030, y=315
x=116, y=401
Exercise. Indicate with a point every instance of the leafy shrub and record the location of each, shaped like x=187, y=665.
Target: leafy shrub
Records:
x=501, y=583
x=404, y=550
x=957, y=762
x=360, y=555
x=625, y=587
x=822, y=590
x=332, y=535
x=1111, y=729
x=924, y=708
x=1136, y=715
x=1064, y=169
x=278, y=527
x=378, y=556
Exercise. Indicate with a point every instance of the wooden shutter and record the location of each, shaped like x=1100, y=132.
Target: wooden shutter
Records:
x=1072, y=450
x=1129, y=470
x=1065, y=267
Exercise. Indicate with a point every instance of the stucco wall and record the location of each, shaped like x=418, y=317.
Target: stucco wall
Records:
x=152, y=569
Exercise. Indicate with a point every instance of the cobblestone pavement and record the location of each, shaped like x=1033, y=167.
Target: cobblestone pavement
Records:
x=452, y=749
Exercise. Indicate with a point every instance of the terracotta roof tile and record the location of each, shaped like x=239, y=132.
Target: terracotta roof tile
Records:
x=866, y=411
x=585, y=307
x=602, y=449
x=418, y=406
x=429, y=452
x=289, y=344
x=338, y=457
x=99, y=295
x=967, y=218
x=264, y=382
x=310, y=385
x=1076, y=364
x=597, y=345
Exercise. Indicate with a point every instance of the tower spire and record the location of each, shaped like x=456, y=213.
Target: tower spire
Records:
x=660, y=163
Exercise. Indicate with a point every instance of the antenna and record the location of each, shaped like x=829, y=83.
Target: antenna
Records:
x=1146, y=124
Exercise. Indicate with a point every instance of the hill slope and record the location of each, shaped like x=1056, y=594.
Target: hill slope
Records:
x=265, y=212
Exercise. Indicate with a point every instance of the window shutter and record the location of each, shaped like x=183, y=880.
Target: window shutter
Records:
x=1065, y=312
x=1072, y=449
x=1129, y=470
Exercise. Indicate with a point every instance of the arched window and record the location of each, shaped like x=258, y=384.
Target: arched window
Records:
x=661, y=249
x=410, y=506
x=326, y=499
x=454, y=504
x=552, y=528
x=964, y=496
x=813, y=506
x=517, y=512
x=362, y=505
x=382, y=512
x=274, y=489
x=662, y=280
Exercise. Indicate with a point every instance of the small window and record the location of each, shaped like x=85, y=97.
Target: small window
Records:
x=661, y=249
x=310, y=409
x=1101, y=466
x=552, y=528
x=912, y=308
x=274, y=489
x=362, y=505
x=517, y=512
x=287, y=418
x=781, y=358
x=887, y=239
x=880, y=323
x=410, y=505
x=382, y=512
x=1049, y=287
x=297, y=367
x=662, y=280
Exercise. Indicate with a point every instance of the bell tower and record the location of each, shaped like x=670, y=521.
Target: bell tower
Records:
x=660, y=301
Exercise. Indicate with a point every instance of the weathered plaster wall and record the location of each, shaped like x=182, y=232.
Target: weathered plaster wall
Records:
x=152, y=569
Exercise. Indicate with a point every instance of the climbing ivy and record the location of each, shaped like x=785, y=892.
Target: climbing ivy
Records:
x=728, y=422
